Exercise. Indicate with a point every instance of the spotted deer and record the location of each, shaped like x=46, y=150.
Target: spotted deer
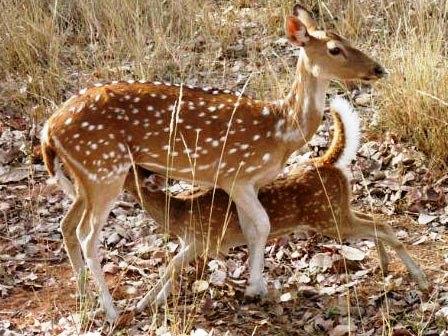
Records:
x=212, y=137
x=314, y=196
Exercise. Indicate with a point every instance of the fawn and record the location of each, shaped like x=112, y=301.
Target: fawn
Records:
x=209, y=136
x=314, y=196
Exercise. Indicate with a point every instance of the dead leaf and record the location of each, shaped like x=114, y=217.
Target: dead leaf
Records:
x=200, y=286
x=352, y=253
x=15, y=175
x=424, y=219
x=320, y=261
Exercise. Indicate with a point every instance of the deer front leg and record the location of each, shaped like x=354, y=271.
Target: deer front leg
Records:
x=161, y=291
x=255, y=225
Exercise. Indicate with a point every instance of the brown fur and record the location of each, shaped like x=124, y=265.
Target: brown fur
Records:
x=315, y=196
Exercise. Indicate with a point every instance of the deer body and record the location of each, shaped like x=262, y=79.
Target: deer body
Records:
x=315, y=196
x=208, y=136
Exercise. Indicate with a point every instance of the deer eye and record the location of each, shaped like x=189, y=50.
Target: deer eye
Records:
x=334, y=51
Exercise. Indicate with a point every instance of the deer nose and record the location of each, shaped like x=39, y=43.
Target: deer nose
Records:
x=379, y=71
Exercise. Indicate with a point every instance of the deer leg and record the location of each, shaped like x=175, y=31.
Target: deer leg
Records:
x=71, y=242
x=98, y=206
x=384, y=257
x=161, y=291
x=255, y=225
x=383, y=232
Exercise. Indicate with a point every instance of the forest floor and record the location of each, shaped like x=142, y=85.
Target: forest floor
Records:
x=310, y=291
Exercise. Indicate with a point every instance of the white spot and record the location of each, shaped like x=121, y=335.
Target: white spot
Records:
x=211, y=108
x=156, y=83
x=215, y=92
x=232, y=151
x=68, y=121
x=265, y=111
x=244, y=146
x=127, y=97
x=94, y=146
x=202, y=103
x=100, y=127
x=256, y=137
x=163, y=96
x=250, y=169
x=98, y=84
x=215, y=143
x=77, y=148
x=131, y=81
x=98, y=97
x=82, y=91
x=84, y=124
x=122, y=147
x=150, y=108
x=266, y=157
x=230, y=170
x=137, y=99
x=221, y=106
x=91, y=127
x=76, y=136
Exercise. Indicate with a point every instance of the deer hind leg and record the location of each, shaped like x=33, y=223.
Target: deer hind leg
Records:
x=71, y=242
x=98, y=205
x=384, y=233
x=161, y=291
x=255, y=225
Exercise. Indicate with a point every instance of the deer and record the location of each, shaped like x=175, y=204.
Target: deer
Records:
x=211, y=137
x=314, y=196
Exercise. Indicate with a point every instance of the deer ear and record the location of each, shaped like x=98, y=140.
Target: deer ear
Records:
x=296, y=31
x=304, y=16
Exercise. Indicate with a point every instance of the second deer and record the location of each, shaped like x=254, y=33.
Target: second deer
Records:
x=314, y=196
x=212, y=137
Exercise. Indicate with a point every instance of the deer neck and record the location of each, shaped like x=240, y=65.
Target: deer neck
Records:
x=304, y=105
